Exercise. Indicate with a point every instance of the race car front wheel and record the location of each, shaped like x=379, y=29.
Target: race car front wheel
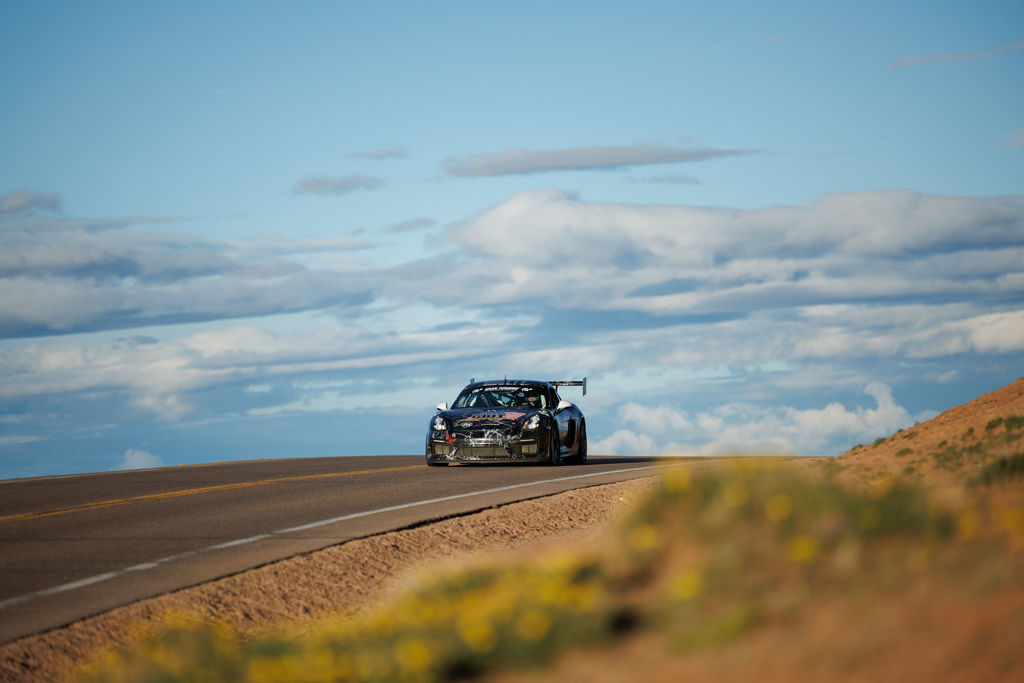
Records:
x=581, y=446
x=554, y=451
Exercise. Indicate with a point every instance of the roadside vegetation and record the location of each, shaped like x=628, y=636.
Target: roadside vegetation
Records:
x=700, y=562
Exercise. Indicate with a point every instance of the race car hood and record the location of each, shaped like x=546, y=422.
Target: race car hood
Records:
x=475, y=418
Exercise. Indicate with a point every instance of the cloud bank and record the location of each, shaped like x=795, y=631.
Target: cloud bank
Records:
x=59, y=276
x=749, y=428
x=135, y=459
x=706, y=328
x=525, y=161
x=848, y=248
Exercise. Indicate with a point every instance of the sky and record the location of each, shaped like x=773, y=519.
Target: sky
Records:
x=236, y=230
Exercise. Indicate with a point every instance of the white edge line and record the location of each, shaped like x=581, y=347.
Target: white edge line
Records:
x=21, y=599
x=403, y=506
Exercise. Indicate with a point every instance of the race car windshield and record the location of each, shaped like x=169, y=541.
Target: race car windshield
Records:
x=532, y=398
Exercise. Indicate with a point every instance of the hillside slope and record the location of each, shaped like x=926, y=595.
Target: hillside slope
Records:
x=951, y=449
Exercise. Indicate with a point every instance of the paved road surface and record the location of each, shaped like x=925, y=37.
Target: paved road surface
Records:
x=77, y=545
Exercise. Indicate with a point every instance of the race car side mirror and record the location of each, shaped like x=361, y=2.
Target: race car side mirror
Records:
x=562, y=405
x=442, y=406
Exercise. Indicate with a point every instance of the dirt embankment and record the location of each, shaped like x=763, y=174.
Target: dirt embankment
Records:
x=948, y=451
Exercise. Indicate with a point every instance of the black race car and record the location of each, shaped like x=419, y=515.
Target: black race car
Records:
x=509, y=421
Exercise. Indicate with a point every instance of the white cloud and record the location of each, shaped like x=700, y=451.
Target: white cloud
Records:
x=835, y=419
x=625, y=442
x=1015, y=138
x=665, y=179
x=159, y=377
x=523, y=161
x=135, y=459
x=382, y=153
x=996, y=333
x=279, y=245
x=18, y=440
x=21, y=201
x=953, y=57
x=656, y=420
x=411, y=224
x=337, y=185
x=747, y=428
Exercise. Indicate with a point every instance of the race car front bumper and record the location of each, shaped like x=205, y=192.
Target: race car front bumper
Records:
x=442, y=447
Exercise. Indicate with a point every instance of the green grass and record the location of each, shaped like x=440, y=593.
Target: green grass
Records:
x=982, y=453
x=1006, y=468
x=903, y=451
x=949, y=457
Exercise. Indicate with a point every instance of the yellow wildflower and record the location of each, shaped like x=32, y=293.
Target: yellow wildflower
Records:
x=413, y=655
x=582, y=598
x=687, y=585
x=643, y=538
x=968, y=524
x=371, y=664
x=550, y=591
x=677, y=479
x=803, y=548
x=882, y=486
x=1012, y=521
x=532, y=625
x=477, y=634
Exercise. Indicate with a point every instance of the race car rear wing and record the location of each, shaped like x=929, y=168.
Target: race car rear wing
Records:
x=560, y=383
x=573, y=383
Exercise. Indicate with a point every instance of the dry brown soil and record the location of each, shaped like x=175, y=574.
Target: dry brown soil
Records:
x=916, y=453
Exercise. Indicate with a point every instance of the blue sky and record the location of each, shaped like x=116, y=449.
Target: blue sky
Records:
x=240, y=230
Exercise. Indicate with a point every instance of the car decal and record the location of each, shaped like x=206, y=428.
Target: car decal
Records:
x=491, y=417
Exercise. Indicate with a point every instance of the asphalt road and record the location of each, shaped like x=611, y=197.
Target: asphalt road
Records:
x=78, y=545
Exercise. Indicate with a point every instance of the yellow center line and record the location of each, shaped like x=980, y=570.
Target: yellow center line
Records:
x=191, y=492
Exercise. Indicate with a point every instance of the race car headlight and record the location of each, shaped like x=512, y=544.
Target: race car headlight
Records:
x=532, y=423
x=439, y=424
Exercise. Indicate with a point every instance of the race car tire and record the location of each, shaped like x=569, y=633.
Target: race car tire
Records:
x=554, y=452
x=581, y=445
